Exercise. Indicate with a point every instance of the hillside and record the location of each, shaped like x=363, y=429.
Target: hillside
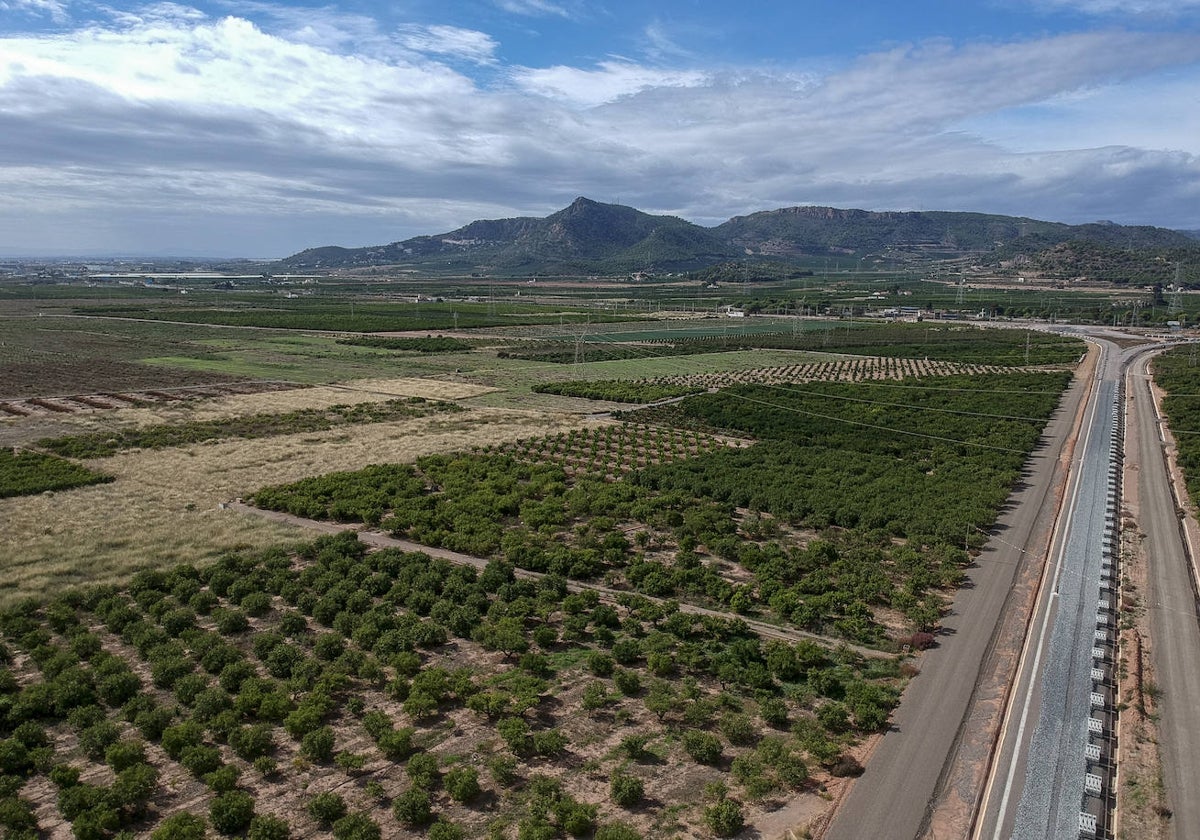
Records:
x=589, y=236
x=586, y=235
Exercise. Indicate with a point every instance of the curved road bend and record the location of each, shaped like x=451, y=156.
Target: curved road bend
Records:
x=891, y=799
x=1171, y=602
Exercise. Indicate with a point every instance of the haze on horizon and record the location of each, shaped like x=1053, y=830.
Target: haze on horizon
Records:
x=252, y=128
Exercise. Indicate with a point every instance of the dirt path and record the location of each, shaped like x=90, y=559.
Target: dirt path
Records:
x=378, y=539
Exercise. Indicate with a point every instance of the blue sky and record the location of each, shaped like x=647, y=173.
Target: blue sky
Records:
x=259, y=128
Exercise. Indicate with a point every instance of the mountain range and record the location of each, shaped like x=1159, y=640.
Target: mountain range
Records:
x=591, y=237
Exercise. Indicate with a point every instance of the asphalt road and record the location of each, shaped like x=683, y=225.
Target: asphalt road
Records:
x=1174, y=630
x=1036, y=784
x=891, y=799
x=1052, y=792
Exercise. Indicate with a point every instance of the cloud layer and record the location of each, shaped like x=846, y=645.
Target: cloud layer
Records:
x=164, y=129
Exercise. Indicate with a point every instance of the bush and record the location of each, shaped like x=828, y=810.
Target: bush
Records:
x=124, y=754
x=250, y=742
x=703, y=747
x=397, y=745
x=152, y=723
x=443, y=829
x=503, y=769
x=133, y=788
x=600, y=664
x=200, y=760
x=14, y=758
x=318, y=745
x=267, y=827
x=412, y=807
x=256, y=604
x=231, y=622
x=626, y=790
x=232, y=811
x=627, y=682
x=181, y=826
x=739, y=729
x=356, y=826
x=327, y=808
x=724, y=818
x=224, y=778
x=616, y=831
x=462, y=783
x=96, y=739
x=422, y=768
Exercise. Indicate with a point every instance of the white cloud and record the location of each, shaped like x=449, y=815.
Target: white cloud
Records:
x=535, y=8
x=56, y=10
x=608, y=82
x=1159, y=8
x=451, y=41
x=270, y=141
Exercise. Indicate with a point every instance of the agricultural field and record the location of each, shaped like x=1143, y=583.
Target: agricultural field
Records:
x=1177, y=373
x=289, y=693
x=880, y=518
x=27, y=473
x=656, y=622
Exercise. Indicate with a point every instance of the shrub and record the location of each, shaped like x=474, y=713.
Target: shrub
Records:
x=256, y=604
x=616, y=831
x=575, y=818
x=412, y=807
x=250, y=742
x=201, y=759
x=267, y=827
x=96, y=739
x=443, y=829
x=329, y=646
x=626, y=790
x=224, y=778
x=318, y=744
x=600, y=664
x=515, y=732
x=627, y=682
x=422, y=768
x=152, y=723
x=703, y=747
x=232, y=811
x=774, y=712
x=462, y=783
x=14, y=758
x=181, y=826
x=116, y=689
x=503, y=769
x=724, y=818
x=124, y=754
x=327, y=808
x=595, y=696
x=356, y=826
x=17, y=816
x=739, y=729
x=397, y=745
x=549, y=742
x=133, y=788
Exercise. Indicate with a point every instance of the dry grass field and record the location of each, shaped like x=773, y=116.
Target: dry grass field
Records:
x=164, y=506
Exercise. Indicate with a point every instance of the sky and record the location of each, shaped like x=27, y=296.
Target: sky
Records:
x=254, y=128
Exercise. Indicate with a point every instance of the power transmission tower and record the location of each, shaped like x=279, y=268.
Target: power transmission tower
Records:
x=962, y=292
x=1176, y=302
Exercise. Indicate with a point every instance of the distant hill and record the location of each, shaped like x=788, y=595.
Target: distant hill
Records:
x=589, y=236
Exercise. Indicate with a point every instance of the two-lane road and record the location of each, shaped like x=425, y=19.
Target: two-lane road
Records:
x=1171, y=602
